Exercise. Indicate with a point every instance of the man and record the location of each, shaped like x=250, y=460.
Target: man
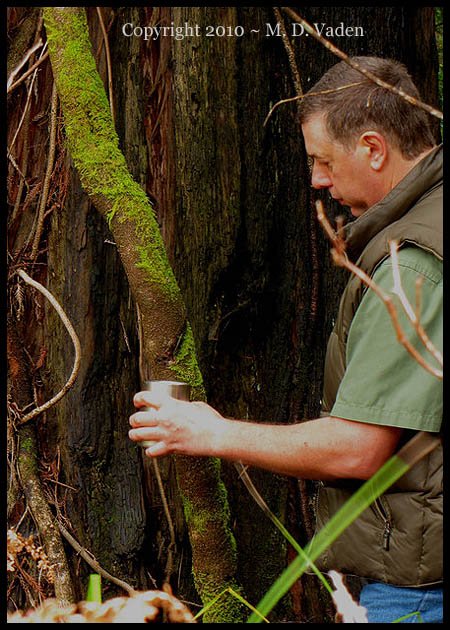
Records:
x=374, y=152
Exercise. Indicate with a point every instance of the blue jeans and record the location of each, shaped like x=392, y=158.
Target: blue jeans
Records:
x=386, y=603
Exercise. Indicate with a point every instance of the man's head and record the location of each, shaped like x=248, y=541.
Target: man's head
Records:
x=363, y=138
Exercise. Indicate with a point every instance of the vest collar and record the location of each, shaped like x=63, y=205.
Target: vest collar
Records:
x=427, y=173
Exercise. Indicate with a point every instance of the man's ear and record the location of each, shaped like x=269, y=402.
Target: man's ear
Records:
x=374, y=146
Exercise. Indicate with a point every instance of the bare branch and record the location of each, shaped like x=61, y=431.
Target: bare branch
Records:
x=21, y=64
x=75, y=340
x=309, y=94
x=27, y=104
x=289, y=52
x=108, y=62
x=28, y=72
x=92, y=562
x=339, y=53
x=341, y=260
x=48, y=173
x=171, y=547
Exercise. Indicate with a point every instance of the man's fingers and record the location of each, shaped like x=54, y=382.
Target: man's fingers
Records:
x=148, y=418
x=147, y=399
x=158, y=448
x=150, y=399
x=145, y=433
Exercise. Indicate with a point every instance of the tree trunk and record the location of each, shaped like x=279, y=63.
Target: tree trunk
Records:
x=167, y=342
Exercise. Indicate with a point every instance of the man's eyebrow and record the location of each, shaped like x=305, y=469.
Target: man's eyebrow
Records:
x=314, y=156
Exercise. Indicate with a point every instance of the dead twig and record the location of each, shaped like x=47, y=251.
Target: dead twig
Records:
x=339, y=53
x=27, y=104
x=75, y=340
x=171, y=547
x=48, y=173
x=340, y=258
x=92, y=562
x=23, y=172
x=26, y=74
x=108, y=63
x=290, y=52
x=20, y=65
x=308, y=94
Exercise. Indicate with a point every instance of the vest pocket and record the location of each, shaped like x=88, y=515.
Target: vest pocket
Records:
x=383, y=512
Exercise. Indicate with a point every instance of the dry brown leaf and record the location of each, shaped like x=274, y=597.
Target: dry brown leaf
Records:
x=141, y=607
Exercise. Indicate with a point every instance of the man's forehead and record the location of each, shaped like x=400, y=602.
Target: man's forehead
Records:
x=317, y=140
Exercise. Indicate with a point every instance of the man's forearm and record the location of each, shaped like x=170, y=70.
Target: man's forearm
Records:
x=326, y=448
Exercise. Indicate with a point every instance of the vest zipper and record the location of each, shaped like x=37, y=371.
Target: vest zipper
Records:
x=319, y=485
x=383, y=511
x=386, y=535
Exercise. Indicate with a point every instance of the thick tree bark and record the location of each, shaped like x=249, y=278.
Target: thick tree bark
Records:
x=167, y=342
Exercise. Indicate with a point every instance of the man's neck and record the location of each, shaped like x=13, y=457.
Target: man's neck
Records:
x=403, y=167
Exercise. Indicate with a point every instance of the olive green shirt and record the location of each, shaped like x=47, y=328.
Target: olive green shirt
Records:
x=383, y=384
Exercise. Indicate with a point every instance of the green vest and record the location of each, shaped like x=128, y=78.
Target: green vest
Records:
x=398, y=539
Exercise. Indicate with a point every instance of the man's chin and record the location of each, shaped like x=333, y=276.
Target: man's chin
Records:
x=356, y=212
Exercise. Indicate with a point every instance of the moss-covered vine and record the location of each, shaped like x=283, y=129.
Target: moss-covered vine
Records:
x=94, y=147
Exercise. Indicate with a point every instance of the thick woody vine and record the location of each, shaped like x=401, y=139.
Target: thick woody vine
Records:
x=167, y=341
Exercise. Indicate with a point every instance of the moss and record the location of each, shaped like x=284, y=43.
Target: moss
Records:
x=209, y=517
x=195, y=518
x=27, y=451
x=200, y=514
x=94, y=147
x=27, y=444
x=227, y=609
x=184, y=365
x=94, y=144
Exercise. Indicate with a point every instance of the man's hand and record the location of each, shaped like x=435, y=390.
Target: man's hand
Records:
x=188, y=428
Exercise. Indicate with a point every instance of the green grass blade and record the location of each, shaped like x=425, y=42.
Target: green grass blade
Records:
x=94, y=590
x=301, y=553
x=392, y=470
x=237, y=596
x=245, y=478
x=414, y=614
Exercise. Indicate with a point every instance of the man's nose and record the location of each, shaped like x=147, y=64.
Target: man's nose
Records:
x=320, y=179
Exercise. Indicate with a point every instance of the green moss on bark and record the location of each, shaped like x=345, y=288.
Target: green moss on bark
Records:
x=94, y=144
x=185, y=367
x=94, y=147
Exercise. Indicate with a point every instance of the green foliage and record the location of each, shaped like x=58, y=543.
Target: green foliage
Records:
x=94, y=589
x=235, y=595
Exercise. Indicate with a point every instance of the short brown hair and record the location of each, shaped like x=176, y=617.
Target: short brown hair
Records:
x=352, y=110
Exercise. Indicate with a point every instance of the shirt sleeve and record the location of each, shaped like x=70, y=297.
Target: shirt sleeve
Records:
x=383, y=384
